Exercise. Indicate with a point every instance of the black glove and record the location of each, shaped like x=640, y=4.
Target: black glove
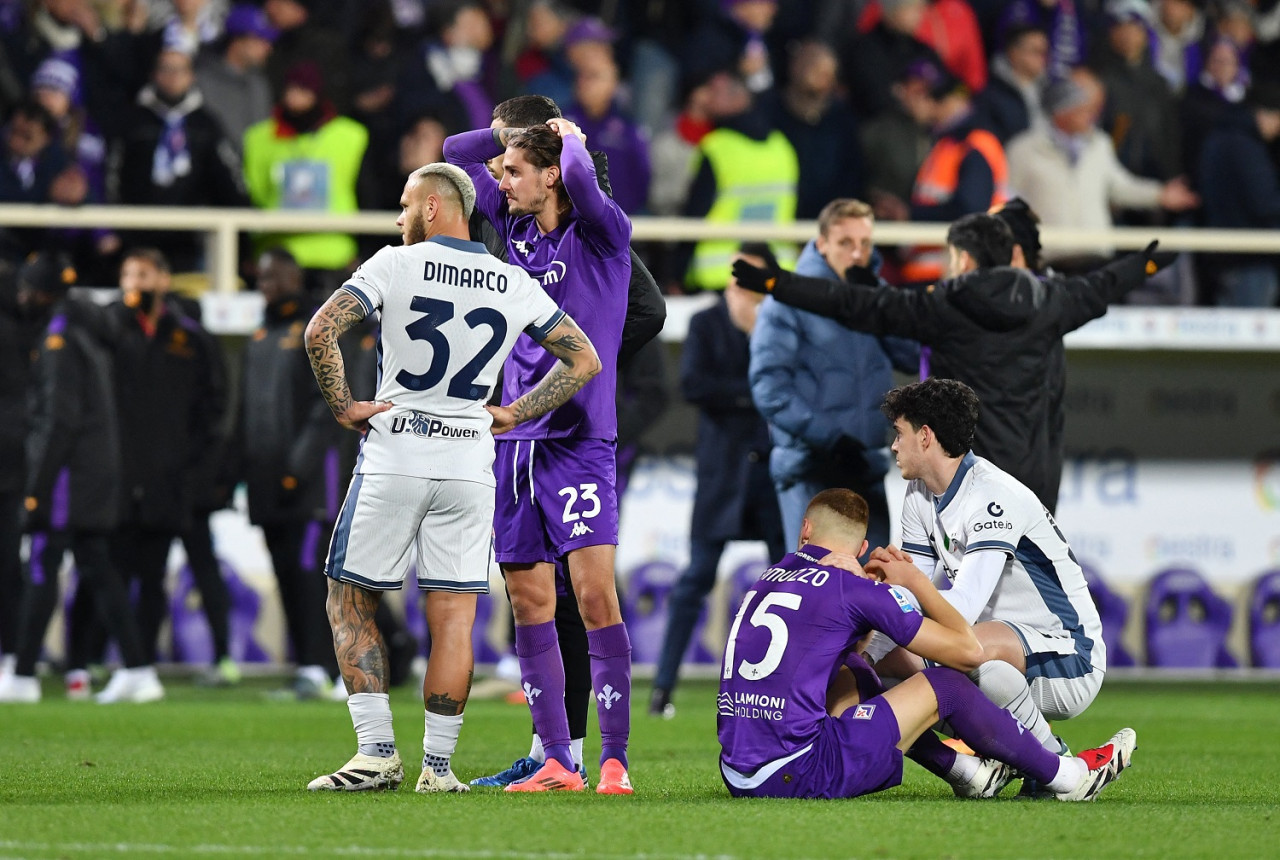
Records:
x=1157, y=260
x=753, y=278
x=861, y=275
x=847, y=451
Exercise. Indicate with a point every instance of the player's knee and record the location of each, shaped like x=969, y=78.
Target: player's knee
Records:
x=999, y=681
x=599, y=606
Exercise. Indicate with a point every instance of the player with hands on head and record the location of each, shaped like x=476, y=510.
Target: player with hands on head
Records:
x=450, y=313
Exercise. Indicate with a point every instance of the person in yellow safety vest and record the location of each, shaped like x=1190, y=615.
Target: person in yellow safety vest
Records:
x=965, y=170
x=306, y=157
x=745, y=171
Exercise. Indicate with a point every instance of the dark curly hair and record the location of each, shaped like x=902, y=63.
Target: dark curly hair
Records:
x=542, y=148
x=947, y=406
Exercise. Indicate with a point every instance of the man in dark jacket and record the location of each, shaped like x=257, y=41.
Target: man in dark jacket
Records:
x=174, y=153
x=288, y=448
x=73, y=474
x=20, y=332
x=1241, y=187
x=171, y=411
x=734, y=498
x=990, y=326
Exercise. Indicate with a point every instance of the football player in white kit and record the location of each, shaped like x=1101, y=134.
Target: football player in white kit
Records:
x=450, y=313
x=998, y=557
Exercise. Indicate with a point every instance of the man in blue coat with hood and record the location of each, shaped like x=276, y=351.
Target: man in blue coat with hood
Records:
x=820, y=384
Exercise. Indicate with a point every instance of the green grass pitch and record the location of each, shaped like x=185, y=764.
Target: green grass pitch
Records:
x=210, y=773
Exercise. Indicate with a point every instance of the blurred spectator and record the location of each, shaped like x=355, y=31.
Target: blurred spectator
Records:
x=642, y=401
x=1221, y=83
x=734, y=39
x=733, y=495
x=73, y=479
x=873, y=61
x=171, y=400
x=744, y=170
x=598, y=112
x=821, y=127
x=233, y=81
x=20, y=329
x=894, y=145
x=1140, y=113
x=819, y=384
x=1063, y=21
x=965, y=170
x=1237, y=20
x=1011, y=102
x=1069, y=174
x=33, y=156
x=175, y=154
x=657, y=30
x=192, y=23
x=377, y=62
x=950, y=27
x=306, y=157
x=288, y=457
x=672, y=150
x=303, y=37
x=542, y=67
x=1179, y=31
x=445, y=74
x=1241, y=186
x=382, y=181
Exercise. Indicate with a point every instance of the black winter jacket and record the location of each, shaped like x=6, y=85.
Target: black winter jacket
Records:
x=73, y=448
x=172, y=403
x=288, y=439
x=996, y=330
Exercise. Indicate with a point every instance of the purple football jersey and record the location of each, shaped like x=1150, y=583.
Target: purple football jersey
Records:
x=584, y=265
x=786, y=644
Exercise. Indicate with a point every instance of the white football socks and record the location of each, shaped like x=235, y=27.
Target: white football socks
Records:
x=371, y=717
x=1007, y=688
x=439, y=741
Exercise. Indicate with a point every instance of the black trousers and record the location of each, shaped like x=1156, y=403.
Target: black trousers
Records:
x=98, y=579
x=11, y=580
x=297, y=558
x=214, y=598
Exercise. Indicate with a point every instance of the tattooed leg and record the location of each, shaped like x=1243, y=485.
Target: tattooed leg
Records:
x=362, y=655
x=451, y=665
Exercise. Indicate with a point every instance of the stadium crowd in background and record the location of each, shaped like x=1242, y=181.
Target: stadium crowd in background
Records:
x=925, y=108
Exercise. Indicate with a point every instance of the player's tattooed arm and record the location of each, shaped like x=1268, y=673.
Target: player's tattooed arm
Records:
x=577, y=365
x=362, y=658
x=335, y=317
x=502, y=136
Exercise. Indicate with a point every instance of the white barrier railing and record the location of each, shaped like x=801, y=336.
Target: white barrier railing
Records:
x=223, y=225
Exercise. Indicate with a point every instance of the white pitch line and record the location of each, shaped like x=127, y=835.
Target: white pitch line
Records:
x=100, y=848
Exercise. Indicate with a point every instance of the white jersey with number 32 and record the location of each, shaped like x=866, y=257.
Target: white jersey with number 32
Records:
x=450, y=314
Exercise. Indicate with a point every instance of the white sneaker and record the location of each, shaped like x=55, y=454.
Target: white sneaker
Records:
x=990, y=778
x=19, y=688
x=429, y=783
x=362, y=773
x=7, y=664
x=1104, y=763
x=79, y=687
x=132, y=685
x=339, y=691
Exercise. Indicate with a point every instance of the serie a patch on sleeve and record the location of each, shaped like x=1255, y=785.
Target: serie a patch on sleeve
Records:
x=904, y=602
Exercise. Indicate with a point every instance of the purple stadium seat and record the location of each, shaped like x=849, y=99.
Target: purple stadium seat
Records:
x=744, y=576
x=1187, y=624
x=191, y=639
x=1114, y=612
x=1264, y=621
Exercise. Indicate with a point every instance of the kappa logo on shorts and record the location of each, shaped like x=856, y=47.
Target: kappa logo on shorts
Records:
x=579, y=529
x=864, y=712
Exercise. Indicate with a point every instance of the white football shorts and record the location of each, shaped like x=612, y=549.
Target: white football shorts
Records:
x=384, y=517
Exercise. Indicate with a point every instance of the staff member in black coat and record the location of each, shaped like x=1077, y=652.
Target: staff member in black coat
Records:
x=990, y=326
x=73, y=475
x=734, y=499
x=289, y=459
x=171, y=403
x=20, y=331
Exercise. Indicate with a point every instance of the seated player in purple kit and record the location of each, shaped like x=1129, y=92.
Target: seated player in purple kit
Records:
x=555, y=476
x=794, y=715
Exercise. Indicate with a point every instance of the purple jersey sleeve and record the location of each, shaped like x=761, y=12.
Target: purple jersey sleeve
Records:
x=470, y=150
x=608, y=227
x=875, y=606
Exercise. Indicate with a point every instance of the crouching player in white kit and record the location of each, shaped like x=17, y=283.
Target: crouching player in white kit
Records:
x=1010, y=571
x=450, y=313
